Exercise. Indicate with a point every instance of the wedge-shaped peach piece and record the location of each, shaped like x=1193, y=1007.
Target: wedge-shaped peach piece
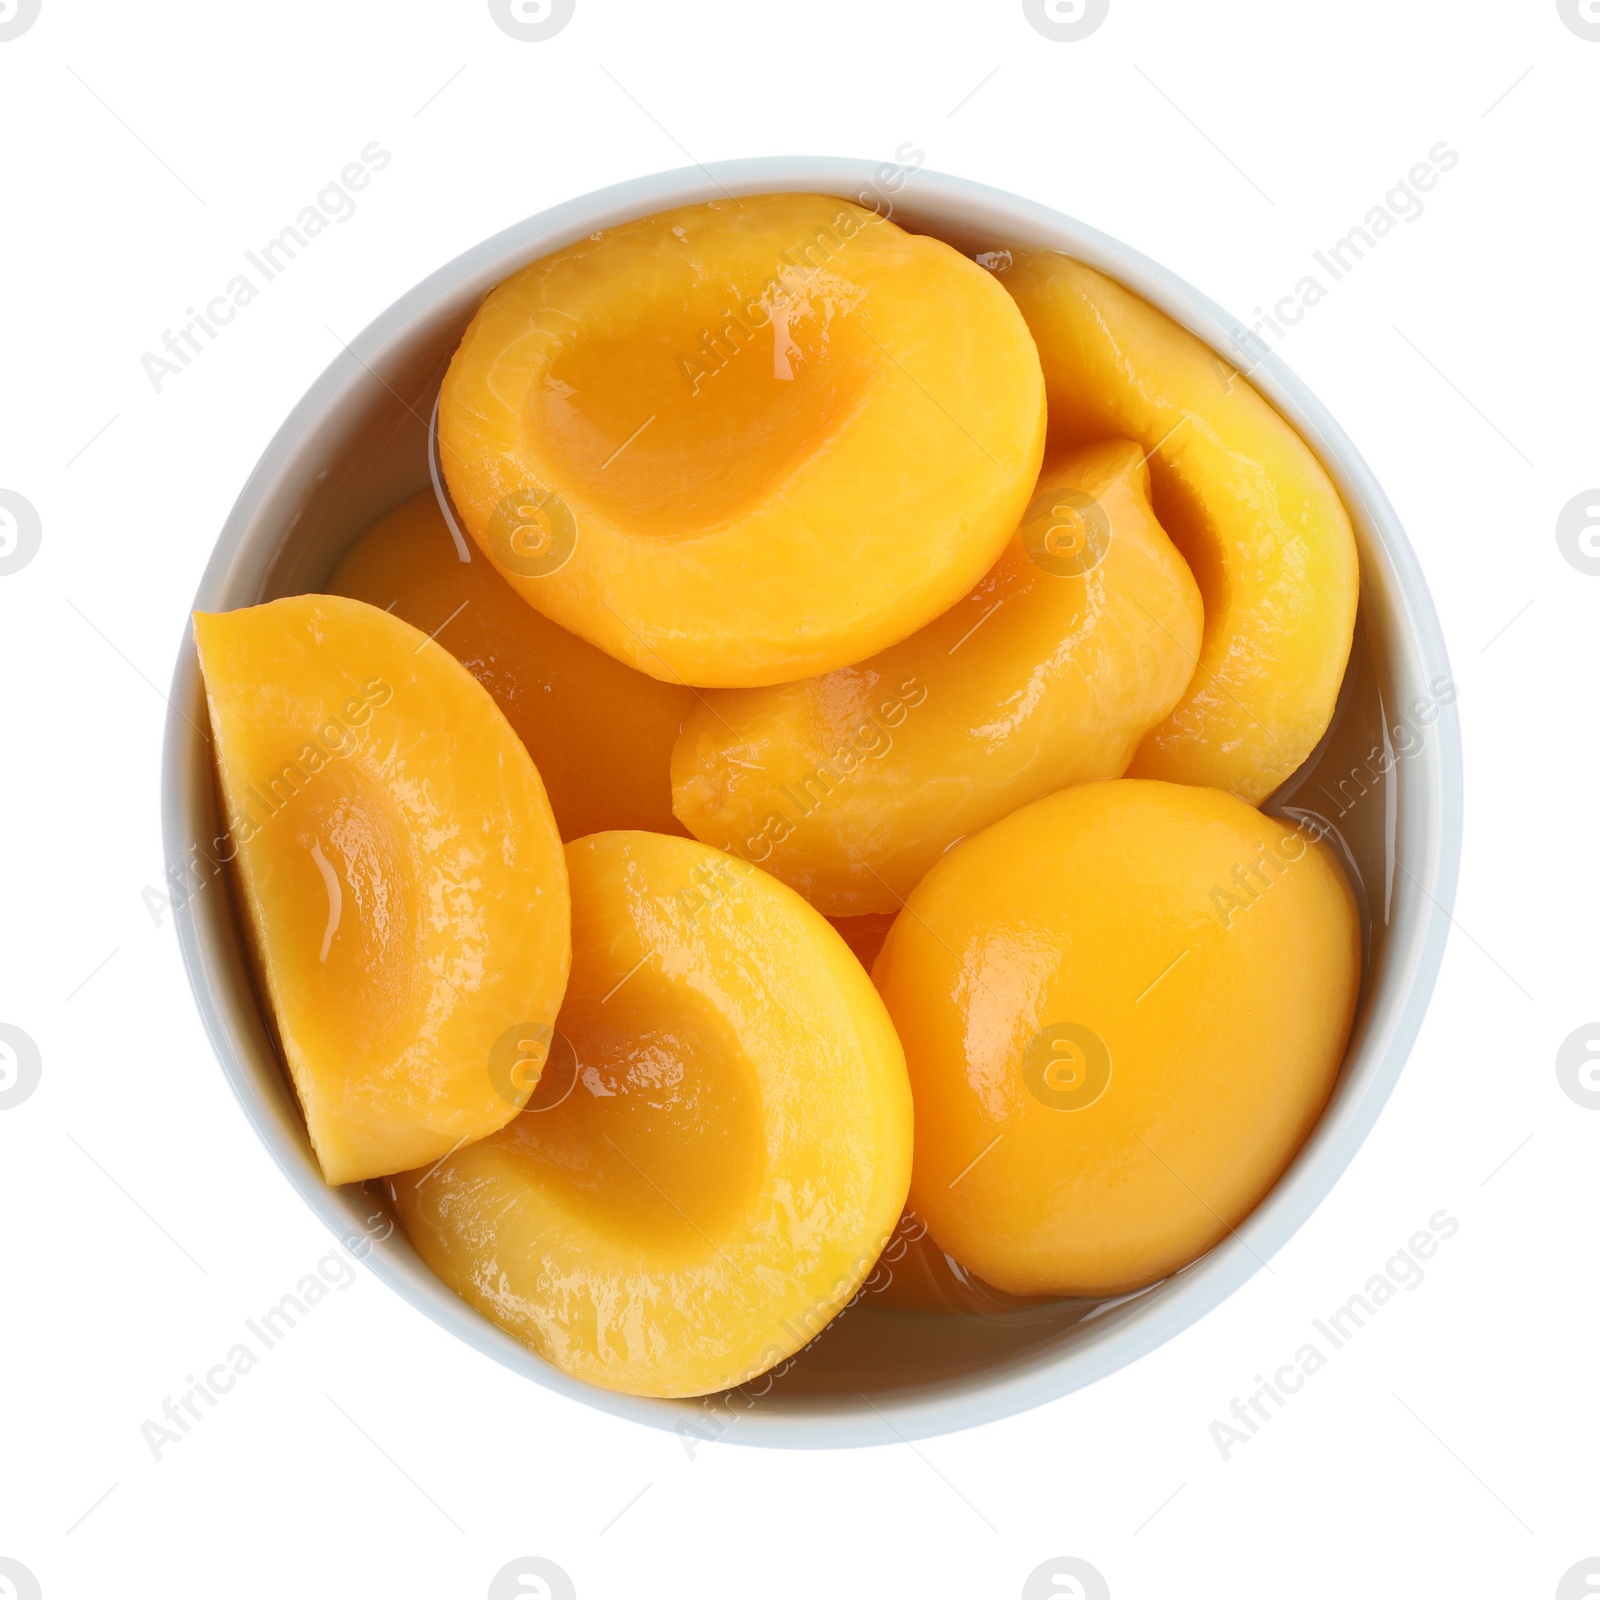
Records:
x=1079, y=640
x=726, y=1156
x=400, y=870
x=1251, y=508
x=600, y=733
x=746, y=441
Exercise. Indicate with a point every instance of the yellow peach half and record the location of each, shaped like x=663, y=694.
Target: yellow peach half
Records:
x=849, y=786
x=745, y=441
x=728, y=1152
x=1123, y=1009
x=401, y=874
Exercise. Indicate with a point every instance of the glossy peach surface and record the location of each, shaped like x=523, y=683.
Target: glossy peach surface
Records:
x=400, y=871
x=746, y=441
x=726, y=1156
x=600, y=733
x=1123, y=1008
x=1251, y=508
x=1080, y=639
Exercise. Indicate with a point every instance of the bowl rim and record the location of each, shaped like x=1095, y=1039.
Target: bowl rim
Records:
x=1432, y=797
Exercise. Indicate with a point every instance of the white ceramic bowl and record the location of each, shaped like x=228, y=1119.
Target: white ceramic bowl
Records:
x=1388, y=777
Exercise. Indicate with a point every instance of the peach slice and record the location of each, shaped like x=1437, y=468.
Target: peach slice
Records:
x=1079, y=640
x=732, y=1152
x=1251, y=508
x=600, y=733
x=745, y=441
x=1123, y=1009
x=401, y=874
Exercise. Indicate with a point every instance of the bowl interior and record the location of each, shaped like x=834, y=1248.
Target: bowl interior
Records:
x=1384, y=784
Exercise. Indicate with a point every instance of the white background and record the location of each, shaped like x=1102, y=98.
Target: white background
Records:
x=1449, y=1448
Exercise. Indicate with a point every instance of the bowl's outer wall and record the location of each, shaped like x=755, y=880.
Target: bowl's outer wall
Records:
x=305, y=501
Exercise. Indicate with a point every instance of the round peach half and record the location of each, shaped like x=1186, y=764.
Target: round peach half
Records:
x=720, y=1150
x=1123, y=1010
x=746, y=441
